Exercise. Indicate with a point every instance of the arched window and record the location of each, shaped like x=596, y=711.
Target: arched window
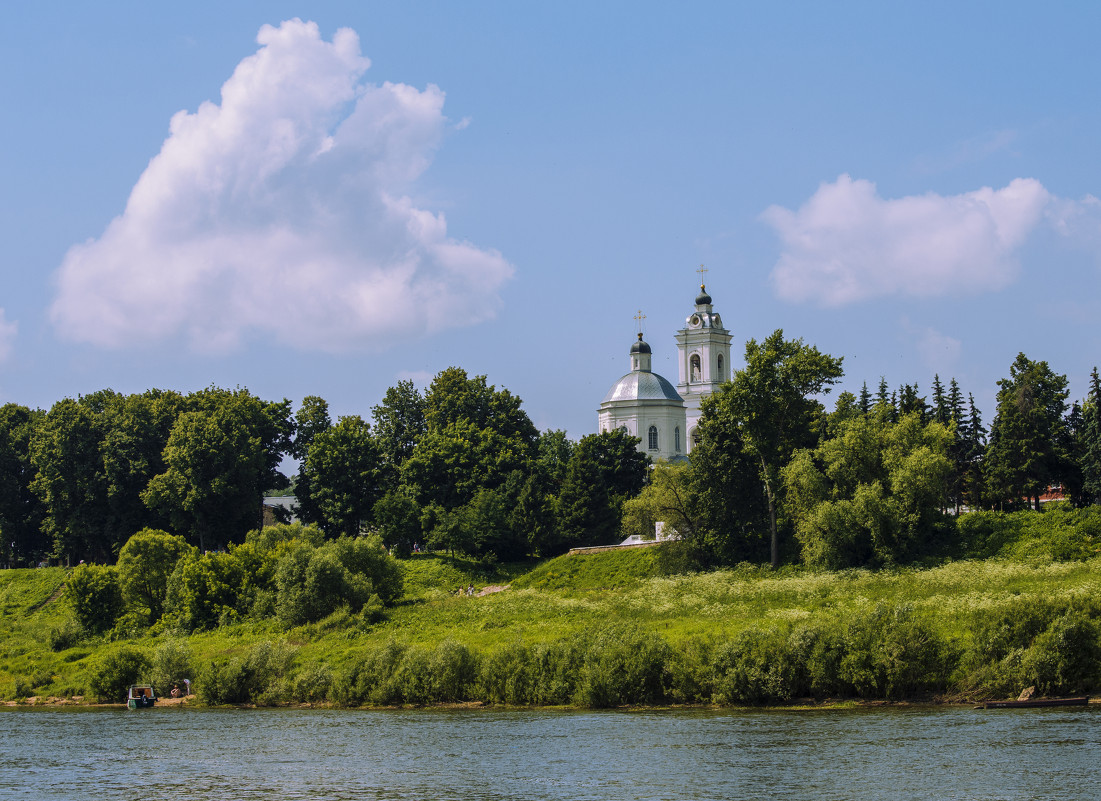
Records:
x=720, y=376
x=653, y=444
x=694, y=363
x=676, y=439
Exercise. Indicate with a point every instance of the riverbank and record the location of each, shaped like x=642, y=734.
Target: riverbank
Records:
x=611, y=630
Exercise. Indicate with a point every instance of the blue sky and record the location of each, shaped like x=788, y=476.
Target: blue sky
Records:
x=192, y=198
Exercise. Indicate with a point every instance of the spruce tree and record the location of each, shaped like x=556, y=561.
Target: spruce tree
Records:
x=1091, y=441
x=865, y=400
x=940, y=404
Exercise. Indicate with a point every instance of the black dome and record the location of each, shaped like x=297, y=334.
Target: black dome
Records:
x=703, y=299
x=640, y=346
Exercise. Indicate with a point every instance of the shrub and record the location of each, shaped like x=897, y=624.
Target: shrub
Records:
x=171, y=664
x=1066, y=657
x=756, y=667
x=258, y=677
x=145, y=563
x=505, y=675
x=891, y=653
x=623, y=665
x=453, y=670
x=65, y=635
x=369, y=679
x=115, y=671
x=93, y=591
x=203, y=587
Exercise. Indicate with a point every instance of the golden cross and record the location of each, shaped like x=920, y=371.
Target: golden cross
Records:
x=639, y=318
x=703, y=272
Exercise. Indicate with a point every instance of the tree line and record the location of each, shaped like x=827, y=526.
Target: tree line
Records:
x=774, y=477
x=459, y=467
x=880, y=479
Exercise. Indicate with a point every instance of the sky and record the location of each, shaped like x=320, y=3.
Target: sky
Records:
x=326, y=198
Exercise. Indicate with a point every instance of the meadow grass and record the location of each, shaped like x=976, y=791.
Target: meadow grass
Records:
x=565, y=603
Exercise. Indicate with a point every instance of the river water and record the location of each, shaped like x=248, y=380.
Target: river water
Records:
x=878, y=753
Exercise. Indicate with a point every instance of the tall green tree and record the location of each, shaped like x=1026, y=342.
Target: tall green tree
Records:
x=1022, y=459
x=605, y=470
x=311, y=419
x=213, y=483
x=774, y=399
x=21, y=511
x=343, y=468
x=399, y=424
x=70, y=482
x=1091, y=436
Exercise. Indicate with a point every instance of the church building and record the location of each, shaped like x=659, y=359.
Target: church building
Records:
x=649, y=407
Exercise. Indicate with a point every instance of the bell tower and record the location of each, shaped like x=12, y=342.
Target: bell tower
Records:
x=703, y=356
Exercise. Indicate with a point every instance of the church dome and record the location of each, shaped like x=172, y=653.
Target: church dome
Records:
x=640, y=346
x=703, y=299
x=643, y=386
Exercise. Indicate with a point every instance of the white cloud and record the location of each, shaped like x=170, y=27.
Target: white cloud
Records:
x=284, y=212
x=848, y=244
x=938, y=352
x=7, y=335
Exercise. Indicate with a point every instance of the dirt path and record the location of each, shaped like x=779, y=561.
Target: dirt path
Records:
x=492, y=588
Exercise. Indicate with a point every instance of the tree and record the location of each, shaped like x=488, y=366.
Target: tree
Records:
x=399, y=424
x=70, y=482
x=1091, y=435
x=774, y=401
x=135, y=431
x=871, y=495
x=212, y=484
x=145, y=563
x=94, y=594
x=733, y=513
x=605, y=470
x=311, y=419
x=475, y=437
x=21, y=511
x=1021, y=458
x=342, y=469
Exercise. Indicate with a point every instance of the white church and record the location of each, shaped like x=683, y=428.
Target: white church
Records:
x=649, y=407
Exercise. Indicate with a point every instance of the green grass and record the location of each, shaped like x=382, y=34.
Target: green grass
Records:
x=557, y=599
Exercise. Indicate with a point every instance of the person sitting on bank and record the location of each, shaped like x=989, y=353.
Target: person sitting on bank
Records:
x=175, y=691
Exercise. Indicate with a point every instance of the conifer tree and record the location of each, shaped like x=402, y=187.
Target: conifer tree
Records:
x=940, y=402
x=865, y=399
x=1091, y=441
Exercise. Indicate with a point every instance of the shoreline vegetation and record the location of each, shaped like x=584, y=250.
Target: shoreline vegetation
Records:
x=606, y=630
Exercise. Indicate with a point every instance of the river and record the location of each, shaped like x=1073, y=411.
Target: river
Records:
x=867, y=753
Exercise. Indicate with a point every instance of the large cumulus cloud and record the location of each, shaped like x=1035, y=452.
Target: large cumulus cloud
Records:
x=847, y=244
x=284, y=212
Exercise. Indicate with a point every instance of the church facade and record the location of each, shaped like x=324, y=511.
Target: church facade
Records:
x=648, y=406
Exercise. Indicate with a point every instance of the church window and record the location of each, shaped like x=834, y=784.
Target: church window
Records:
x=695, y=363
x=653, y=444
x=720, y=367
x=676, y=439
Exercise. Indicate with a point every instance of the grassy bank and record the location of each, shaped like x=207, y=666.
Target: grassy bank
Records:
x=606, y=629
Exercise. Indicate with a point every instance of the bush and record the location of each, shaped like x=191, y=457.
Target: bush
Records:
x=1066, y=658
x=145, y=563
x=453, y=670
x=369, y=679
x=623, y=665
x=115, y=671
x=891, y=653
x=756, y=667
x=171, y=664
x=258, y=677
x=203, y=587
x=65, y=635
x=93, y=591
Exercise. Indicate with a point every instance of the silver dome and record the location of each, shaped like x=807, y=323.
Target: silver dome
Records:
x=641, y=385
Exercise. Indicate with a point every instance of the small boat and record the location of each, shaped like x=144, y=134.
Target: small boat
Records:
x=1078, y=700
x=140, y=697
